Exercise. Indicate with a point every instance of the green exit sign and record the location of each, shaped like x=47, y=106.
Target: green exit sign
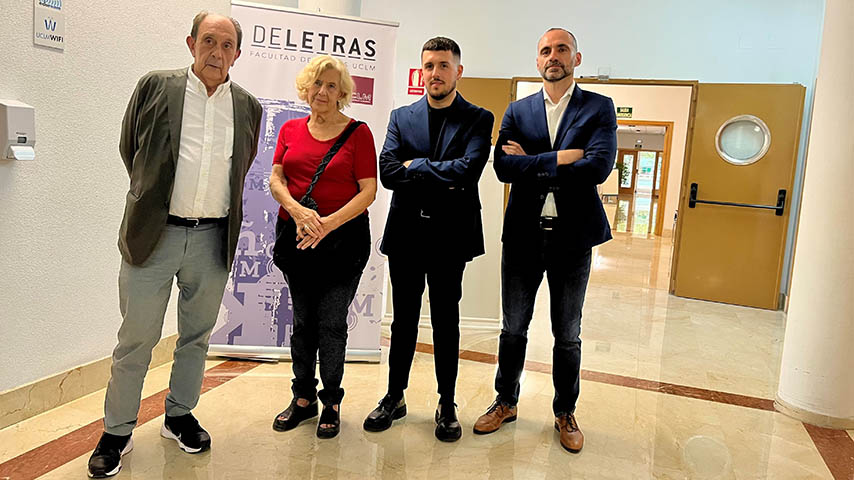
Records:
x=624, y=112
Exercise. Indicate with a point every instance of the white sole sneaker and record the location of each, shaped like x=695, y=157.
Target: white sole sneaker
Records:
x=166, y=433
x=116, y=470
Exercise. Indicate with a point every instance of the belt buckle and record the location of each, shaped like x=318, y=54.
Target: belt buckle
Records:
x=194, y=221
x=547, y=223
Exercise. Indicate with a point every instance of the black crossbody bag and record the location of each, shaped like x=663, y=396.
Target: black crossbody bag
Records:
x=306, y=200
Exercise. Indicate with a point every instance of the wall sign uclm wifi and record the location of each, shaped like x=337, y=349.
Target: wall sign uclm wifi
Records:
x=49, y=24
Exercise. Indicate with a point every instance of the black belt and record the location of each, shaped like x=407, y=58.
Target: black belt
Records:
x=192, y=222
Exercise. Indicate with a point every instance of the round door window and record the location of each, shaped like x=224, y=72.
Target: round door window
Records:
x=743, y=140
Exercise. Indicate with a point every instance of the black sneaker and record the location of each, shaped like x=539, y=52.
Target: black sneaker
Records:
x=106, y=460
x=448, y=428
x=389, y=409
x=185, y=430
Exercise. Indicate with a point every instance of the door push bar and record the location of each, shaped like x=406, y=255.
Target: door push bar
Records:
x=778, y=209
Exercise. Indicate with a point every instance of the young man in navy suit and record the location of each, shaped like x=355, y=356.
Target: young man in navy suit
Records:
x=433, y=156
x=554, y=147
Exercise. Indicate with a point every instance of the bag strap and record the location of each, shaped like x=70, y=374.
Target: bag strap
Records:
x=342, y=139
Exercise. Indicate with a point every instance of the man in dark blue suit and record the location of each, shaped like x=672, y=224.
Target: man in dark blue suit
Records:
x=433, y=156
x=554, y=147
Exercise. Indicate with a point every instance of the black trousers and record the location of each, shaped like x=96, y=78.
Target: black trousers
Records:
x=322, y=284
x=445, y=278
x=521, y=274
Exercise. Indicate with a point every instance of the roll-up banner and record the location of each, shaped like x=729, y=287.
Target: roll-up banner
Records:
x=256, y=316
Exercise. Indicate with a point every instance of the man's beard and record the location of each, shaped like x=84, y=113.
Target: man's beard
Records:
x=442, y=95
x=564, y=73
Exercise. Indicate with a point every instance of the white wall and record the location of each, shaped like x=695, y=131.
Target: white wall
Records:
x=60, y=215
x=723, y=41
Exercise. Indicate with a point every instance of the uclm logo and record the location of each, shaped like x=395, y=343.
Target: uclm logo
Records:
x=363, y=91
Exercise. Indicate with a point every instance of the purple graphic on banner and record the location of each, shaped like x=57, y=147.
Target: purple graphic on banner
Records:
x=257, y=304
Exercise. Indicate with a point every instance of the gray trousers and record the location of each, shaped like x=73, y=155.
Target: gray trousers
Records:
x=194, y=256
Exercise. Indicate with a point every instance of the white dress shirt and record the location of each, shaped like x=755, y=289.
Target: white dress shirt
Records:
x=554, y=112
x=203, y=172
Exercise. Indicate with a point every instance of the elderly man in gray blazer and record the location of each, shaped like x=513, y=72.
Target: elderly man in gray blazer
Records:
x=188, y=138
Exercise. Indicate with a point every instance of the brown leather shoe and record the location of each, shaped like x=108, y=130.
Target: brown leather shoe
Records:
x=571, y=437
x=498, y=413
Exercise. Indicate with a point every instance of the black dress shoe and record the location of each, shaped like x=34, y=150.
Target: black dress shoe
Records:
x=448, y=428
x=106, y=460
x=185, y=430
x=329, y=416
x=292, y=416
x=389, y=409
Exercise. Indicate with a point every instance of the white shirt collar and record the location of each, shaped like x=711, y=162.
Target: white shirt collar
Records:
x=566, y=95
x=196, y=84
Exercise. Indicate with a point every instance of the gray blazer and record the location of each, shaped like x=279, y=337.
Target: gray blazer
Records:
x=150, y=137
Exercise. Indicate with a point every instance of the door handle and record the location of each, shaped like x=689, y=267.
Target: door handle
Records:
x=778, y=209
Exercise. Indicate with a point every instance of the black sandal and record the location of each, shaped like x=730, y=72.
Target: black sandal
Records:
x=294, y=415
x=329, y=417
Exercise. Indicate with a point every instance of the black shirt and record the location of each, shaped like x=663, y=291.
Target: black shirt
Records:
x=436, y=117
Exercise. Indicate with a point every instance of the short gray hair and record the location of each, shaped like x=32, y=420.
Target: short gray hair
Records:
x=200, y=17
x=571, y=35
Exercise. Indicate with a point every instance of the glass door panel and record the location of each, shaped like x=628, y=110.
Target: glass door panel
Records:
x=646, y=167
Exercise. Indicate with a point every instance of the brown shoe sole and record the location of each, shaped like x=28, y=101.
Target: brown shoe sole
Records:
x=570, y=450
x=484, y=432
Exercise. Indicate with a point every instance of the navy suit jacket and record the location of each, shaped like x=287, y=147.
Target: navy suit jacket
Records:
x=589, y=123
x=442, y=186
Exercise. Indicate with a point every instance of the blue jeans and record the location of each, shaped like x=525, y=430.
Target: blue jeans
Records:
x=521, y=274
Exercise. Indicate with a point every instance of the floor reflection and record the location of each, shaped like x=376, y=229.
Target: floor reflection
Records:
x=635, y=214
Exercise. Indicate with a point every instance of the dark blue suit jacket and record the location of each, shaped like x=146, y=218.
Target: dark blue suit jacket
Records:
x=443, y=188
x=589, y=123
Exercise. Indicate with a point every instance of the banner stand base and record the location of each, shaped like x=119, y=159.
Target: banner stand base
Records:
x=276, y=354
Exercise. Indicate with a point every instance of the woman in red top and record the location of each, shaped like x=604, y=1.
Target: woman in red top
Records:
x=322, y=252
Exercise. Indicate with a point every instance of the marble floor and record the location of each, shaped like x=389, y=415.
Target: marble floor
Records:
x=671, y=389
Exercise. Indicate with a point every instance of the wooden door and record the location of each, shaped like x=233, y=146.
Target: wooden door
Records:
x=731, y=250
